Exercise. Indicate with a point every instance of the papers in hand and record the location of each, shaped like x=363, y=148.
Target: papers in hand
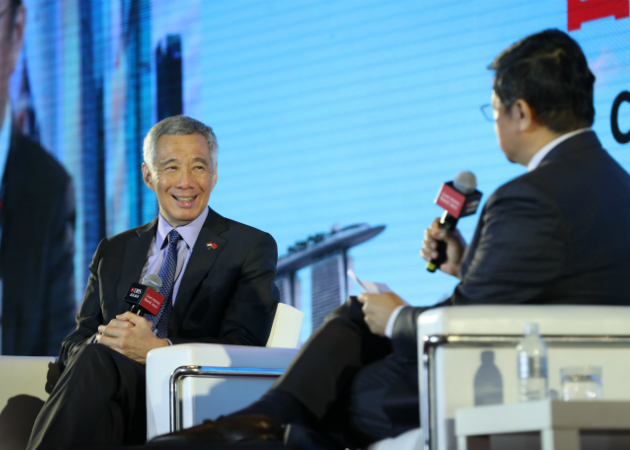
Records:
x=369, y=286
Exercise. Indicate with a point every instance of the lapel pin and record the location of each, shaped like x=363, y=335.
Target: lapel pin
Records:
x=210, y=245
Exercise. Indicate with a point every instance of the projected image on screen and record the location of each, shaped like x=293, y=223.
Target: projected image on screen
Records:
x=334, y=119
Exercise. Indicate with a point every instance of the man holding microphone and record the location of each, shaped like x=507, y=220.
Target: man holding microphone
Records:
x=217, y=282
x=543, y=238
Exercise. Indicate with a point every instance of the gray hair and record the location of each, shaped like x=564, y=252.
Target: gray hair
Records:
x=177, y=125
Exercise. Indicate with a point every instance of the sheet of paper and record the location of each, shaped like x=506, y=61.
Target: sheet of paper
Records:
x=370, y=287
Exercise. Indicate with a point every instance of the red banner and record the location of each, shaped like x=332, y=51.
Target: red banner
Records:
x=580, y=11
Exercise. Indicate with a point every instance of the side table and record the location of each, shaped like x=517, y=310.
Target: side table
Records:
x=558, y=422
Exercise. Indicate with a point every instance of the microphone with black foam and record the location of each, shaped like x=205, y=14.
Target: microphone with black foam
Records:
x=459, y=198
x=144, y=297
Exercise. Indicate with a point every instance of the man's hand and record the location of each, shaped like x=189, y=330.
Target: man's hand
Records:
x=455, y=246
x=377, y=309
x=130, y=335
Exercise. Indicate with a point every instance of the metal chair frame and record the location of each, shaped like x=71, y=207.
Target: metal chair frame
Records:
x=183, y=372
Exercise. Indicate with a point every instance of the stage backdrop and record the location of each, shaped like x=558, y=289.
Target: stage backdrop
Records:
x=326, y=113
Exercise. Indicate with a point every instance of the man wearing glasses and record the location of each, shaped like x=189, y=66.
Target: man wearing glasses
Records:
x=558, y=234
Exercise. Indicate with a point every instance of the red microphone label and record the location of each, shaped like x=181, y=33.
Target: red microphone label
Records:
x=451, y=200
x=152, y=302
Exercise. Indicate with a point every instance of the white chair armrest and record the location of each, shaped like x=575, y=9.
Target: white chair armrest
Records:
x=23, y=381
x=285, y=331
x=23, y=375
x=511, y=319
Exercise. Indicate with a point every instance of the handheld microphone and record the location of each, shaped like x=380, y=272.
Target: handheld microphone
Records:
x=144, y=297
x=459, y=198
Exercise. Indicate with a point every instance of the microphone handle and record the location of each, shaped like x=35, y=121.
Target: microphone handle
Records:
x=138, y=310
x=447, y=222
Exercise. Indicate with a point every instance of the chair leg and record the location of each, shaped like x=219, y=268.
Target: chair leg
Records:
x=560, y=439
x=473, y=443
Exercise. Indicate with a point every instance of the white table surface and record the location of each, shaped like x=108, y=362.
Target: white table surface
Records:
x=558, y=422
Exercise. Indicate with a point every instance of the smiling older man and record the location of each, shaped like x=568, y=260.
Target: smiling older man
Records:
x=218, y=286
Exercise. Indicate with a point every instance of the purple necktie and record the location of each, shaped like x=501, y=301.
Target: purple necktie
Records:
x=167, y=274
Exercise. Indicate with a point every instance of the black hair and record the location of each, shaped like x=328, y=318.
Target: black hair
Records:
x=15, y=4
x=549, y=71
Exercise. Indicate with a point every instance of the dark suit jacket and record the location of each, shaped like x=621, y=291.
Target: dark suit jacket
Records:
x=557, y=235
x=227, y=294
x=37, y=249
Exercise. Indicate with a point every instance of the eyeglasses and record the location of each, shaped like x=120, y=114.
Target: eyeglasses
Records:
x=487, y=112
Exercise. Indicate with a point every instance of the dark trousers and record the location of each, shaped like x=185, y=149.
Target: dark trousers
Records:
x=100, y=399
x=348, y=378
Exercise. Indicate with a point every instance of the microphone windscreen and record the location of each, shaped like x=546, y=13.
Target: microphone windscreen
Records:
x=153, y=281
x=465, y=182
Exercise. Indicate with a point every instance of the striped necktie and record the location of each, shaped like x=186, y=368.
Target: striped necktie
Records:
x=167, y=274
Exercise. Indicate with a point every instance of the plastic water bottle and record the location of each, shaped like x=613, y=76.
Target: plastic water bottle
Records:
x=532, y=365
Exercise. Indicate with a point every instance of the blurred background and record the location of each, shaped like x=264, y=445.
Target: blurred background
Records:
x=328, y=115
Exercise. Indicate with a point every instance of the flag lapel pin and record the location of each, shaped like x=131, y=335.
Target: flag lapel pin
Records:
x=211, y=245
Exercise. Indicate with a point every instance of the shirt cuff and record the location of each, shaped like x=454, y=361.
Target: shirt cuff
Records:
x=389, y=329
x=94, y=341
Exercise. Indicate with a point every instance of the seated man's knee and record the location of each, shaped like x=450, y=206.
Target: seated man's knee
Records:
x=92, y=354
x=351, y=310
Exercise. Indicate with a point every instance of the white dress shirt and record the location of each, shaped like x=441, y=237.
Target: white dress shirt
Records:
x=540, y=154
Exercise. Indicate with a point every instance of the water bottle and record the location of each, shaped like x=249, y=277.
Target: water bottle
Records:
x=532, y=365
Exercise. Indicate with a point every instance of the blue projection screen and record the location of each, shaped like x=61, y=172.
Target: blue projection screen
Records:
x=326, y=113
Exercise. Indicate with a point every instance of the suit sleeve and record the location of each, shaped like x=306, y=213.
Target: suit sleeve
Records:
x=405, y=334
x=520, y=251
x=59, y=302
x=518, y=254
x=252, y=307
x=89, y=316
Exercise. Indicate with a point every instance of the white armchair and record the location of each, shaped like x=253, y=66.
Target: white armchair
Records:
x=239, y=376
x=454, y=372
x=189, y=383
x=25, y=383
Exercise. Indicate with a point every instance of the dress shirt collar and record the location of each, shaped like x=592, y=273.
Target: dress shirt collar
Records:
x=540, y=154
x=188, y=232
x=5, y=138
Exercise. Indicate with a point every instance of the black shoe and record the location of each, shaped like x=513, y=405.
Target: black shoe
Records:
x=226, y=430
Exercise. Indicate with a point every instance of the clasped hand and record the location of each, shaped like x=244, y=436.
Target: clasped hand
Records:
x=130, y=335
